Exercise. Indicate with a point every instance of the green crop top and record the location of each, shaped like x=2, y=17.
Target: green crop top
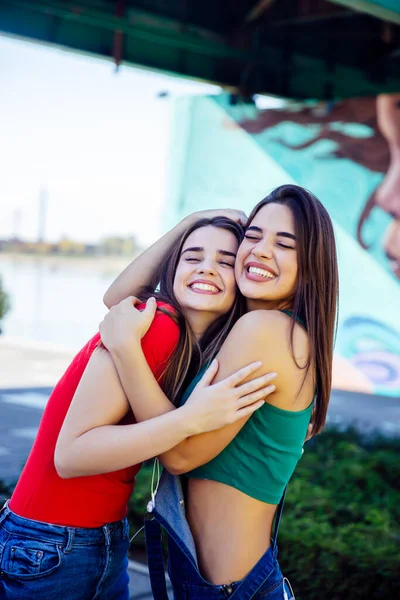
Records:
x=261, y=459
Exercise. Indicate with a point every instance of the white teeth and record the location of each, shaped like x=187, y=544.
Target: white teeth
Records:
x=261, y=272
x=204, y=286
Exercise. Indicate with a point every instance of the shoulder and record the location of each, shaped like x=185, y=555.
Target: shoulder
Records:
x=163, y=334
x=266, y=335
x=271, y=325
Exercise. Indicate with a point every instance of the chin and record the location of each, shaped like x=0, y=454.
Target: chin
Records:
x=203, y=306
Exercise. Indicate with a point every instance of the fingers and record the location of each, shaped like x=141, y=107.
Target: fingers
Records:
x=255, y=396
x=247, y=410
x=239, y=217
x=255, y=384
x=150, y=308
x=236, y=378
x=135, y=300
x=243, y=218
x=131, y=301
x=209, y=374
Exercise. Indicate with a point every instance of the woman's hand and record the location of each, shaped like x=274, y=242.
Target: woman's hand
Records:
x=212, y=406
x=124, y=324
x=230, y=213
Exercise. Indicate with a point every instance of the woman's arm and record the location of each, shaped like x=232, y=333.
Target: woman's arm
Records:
x=254, y=336
x=140, y=272
x=258, y=335
x=91, y=442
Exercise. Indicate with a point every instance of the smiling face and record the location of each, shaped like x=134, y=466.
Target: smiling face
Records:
x=266, y=264
x=204, y=283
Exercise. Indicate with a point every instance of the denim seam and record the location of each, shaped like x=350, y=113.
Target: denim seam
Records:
x=104, y=573
x=36, y=538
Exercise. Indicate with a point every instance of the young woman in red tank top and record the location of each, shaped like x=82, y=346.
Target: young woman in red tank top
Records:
x=64, y=531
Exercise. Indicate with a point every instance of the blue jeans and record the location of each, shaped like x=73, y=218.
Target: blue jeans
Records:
x=49, y=562
x=264, y=582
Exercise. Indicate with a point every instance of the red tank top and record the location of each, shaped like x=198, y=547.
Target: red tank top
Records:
x=94, y=500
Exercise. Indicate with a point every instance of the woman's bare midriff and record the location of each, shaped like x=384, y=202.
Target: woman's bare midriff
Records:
x=231, y=530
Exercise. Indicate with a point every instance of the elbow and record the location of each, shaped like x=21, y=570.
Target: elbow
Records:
x=63, y=465
x=107, y=299
x=175, y=470
x=176, y=465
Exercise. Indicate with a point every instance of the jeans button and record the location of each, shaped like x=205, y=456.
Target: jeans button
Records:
x=228, y=589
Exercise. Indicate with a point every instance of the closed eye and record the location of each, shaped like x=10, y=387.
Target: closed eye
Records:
x=285, y=246
x=192, y=259
x=228, y=264
x=251, y=237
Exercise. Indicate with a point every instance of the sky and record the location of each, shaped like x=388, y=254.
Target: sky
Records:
x=95, y=140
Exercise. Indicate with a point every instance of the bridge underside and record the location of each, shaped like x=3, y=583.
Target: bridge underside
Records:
x=322, y=49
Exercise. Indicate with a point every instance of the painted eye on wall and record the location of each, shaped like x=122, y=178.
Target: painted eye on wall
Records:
x=373, y=348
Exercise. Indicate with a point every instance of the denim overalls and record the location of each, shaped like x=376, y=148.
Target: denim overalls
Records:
x=265, y=580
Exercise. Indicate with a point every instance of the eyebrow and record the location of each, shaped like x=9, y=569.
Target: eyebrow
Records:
x=278, y=233
x=200, y=249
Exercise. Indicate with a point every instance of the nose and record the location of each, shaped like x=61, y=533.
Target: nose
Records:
x=207, y=267
x=264, y=249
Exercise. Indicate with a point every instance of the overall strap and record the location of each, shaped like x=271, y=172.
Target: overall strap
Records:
x=155, y=559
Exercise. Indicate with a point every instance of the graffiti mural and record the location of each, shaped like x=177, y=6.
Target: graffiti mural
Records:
x=356, y=141
x=348, y=154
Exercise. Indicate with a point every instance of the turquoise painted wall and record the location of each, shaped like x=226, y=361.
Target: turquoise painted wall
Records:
x=215, y=163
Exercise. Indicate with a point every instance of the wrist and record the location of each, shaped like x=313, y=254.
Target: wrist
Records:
x=188, y=422
x=188, y=220
x=127, y=350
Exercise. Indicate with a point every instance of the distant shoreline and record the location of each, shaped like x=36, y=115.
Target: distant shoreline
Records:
x=104, y=262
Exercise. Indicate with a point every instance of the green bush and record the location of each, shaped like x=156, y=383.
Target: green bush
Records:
x=340, y=532
x=4, y=302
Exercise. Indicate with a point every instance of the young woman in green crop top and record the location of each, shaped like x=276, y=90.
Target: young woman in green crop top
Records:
x=286, y=268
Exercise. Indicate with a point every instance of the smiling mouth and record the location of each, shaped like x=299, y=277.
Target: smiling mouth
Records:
x=260, y=274
x=204, y=288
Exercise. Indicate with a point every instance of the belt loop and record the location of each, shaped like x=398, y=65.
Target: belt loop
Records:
x=106, y=530
x=70, y=541
x=125, y=529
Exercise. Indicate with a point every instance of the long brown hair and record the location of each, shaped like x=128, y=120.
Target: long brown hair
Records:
x=190, y=354
x=315, y=300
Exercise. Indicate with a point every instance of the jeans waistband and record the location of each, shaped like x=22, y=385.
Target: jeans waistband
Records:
x=108, y=533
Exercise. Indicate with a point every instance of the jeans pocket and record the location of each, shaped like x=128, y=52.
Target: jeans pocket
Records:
x=28, y=559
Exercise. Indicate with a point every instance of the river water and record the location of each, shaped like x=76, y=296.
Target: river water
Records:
x=56, y=300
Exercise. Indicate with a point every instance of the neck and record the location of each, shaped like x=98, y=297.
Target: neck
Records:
x=260, y=304
x=199, y=322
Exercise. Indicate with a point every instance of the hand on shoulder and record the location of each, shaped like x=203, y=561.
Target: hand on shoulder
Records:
x=125, y=325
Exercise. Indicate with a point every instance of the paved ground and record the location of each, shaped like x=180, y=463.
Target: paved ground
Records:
x=139, y=582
